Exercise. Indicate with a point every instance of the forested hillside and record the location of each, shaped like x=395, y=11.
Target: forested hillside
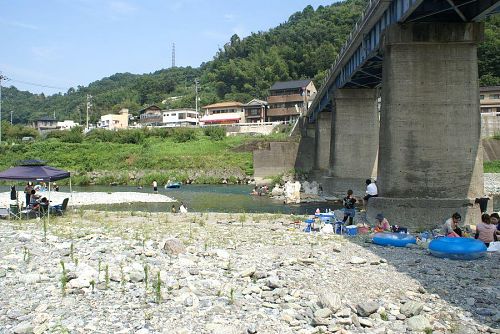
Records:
x=302, y=47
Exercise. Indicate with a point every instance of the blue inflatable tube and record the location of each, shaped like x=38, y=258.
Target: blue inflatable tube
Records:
x=457, y=248
x=393, y=239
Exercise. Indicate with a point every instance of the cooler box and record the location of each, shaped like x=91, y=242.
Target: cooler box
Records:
x=325, y=220
x=351, y=230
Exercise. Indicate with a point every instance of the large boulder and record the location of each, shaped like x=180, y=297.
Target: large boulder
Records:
x=174, y=247
x=329, y=299
x=292, y=192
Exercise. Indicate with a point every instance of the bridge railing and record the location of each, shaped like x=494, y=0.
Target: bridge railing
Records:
x=352, y=35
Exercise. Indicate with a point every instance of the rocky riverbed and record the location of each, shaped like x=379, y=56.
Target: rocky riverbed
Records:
x=492, y=183
x=223, y=273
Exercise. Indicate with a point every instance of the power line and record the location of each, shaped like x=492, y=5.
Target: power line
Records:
x=38, y=85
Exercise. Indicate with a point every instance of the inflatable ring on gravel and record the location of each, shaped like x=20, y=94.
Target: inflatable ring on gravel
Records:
x=393, y=239
x=457, y=248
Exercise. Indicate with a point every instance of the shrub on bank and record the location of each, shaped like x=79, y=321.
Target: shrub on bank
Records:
x=182, y=135
x=134, y=136
x=17, y=132
x=215, y=132
x=158, y=132
x=78, y=180
x=74, y=135
x=100, y=135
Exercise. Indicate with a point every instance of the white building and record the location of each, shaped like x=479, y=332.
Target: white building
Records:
x=113, y=121
x=223, y=113
x=180, y=117
x=66, y=125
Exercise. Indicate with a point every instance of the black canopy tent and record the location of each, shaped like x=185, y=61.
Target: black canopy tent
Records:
x=35, y=170
x=34, y=173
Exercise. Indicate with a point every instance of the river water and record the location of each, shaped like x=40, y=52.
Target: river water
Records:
x=208, y=198
x=203, y=198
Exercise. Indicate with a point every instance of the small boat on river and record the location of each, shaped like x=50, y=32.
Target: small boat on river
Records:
x=172, y=185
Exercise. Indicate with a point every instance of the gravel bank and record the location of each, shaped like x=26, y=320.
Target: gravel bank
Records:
x=492, y=183
x=88, y=198
x=223, y=273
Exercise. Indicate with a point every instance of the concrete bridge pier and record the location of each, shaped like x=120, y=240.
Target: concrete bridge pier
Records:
x=354, y=140
x=430, y=155
x=322, y=142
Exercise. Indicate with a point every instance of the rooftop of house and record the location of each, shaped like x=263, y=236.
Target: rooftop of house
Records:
x=256, y=102
x=46, y=119
x=223, y=105
x=180, y=110
x=151, y=107
x=282, y=85
x=489, y=89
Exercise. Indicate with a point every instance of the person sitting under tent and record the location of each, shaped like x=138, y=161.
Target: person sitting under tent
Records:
x=34, y=200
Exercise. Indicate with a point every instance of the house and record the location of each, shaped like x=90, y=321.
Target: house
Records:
x=223, y=113
x=255, y=111
x=180, y=117
x=151, y=116
x=66, y=125
x=289, y=99
x=489, y=99
x=45, y=124
x=113, y=121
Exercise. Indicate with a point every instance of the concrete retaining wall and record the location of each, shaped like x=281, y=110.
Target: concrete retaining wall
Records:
x=490, y=124
x=281, y=157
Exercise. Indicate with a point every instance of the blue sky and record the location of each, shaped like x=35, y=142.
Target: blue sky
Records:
x=65, y=43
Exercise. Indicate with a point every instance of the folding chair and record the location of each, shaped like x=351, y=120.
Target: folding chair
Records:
x=14, y=212
x=59, y=209
x=339, y=225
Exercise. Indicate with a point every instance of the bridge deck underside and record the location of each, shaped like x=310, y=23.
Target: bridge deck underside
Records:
x=452, y=11
x=369, y=75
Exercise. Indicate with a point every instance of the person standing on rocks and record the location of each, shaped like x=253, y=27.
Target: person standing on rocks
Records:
x=155, y=187
x=183, y=208
x=27, y=191
x=349, y=210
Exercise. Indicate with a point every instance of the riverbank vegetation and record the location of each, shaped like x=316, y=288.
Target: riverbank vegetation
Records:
x=138, y=156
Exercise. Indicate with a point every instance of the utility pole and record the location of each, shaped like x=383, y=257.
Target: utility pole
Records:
x=173, y=55
x=196, y=82
x=2, y=77
x=89, y=105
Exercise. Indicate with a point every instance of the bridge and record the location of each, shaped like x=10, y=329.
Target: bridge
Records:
x=415, y=61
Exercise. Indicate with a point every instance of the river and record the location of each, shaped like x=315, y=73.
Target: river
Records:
x=203, y=198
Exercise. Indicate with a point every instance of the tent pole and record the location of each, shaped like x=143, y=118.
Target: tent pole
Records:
x=48, y=208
